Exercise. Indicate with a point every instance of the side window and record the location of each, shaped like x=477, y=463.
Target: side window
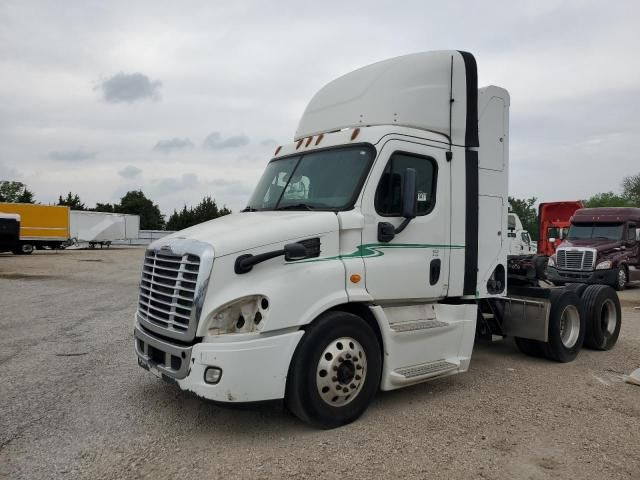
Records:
x=631, y=236
x=388, y=200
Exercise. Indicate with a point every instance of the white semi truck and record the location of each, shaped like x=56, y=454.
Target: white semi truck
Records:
x=371, y=254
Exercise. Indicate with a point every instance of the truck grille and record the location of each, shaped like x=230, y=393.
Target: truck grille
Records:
x=575, y=259
x=168, y=289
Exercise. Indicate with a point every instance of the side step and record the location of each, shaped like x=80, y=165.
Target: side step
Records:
x=417, y=325
x=407, y=375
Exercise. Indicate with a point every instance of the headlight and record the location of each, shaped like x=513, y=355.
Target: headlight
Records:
x=552, y=261
x=604, y=265
x=240, y=316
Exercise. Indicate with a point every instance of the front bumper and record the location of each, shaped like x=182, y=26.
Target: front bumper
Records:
x=605, y=277
x=254, y=366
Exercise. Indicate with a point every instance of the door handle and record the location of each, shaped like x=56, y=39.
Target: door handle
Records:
x=434, y=271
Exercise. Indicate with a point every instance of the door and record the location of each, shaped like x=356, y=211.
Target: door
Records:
x=414, y=264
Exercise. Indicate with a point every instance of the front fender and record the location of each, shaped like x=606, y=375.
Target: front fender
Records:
x=297, y=292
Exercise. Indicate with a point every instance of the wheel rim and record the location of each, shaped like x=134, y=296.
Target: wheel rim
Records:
x=622, y=278
x=608, y=317
x=27, y=248
x=341, y=371
x=569, y=326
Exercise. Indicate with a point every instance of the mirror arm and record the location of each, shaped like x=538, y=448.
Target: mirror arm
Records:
x=403, y=225
x=245, y=263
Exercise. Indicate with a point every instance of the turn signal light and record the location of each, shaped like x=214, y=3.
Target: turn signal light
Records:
x=355, y=278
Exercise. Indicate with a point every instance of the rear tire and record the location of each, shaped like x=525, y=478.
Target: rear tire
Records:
x=603, y=317
x=24, y=249
x=335, y=371
x=566, y=327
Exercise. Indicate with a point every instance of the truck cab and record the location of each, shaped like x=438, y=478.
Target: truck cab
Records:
x=601, y=246
x=554, y=219
x=520, y=242
x=362, y=257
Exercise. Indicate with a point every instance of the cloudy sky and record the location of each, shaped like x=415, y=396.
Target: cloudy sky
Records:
x=186, y=99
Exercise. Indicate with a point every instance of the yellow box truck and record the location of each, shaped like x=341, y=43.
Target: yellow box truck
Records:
x=40, y=225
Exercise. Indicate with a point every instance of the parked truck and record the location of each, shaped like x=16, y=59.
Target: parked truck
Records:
x=554, y=219
x=40, y=225
x=601, y=246
x=9, y=231
x=102, y=228
x=371, y=254
x=520, y=242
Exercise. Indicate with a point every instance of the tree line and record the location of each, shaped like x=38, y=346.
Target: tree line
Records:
x=630, y=197
x=134, y=202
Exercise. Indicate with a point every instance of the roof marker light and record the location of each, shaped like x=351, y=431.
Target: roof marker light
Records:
x=355, y=133
x=320, y=137
x=277, y=150
x=308, y=142
x=299, y=143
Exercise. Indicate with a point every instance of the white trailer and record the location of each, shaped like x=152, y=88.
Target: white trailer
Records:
x=371, y=254
x=102, y=228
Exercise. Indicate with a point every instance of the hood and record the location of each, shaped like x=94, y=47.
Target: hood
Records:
x=601, y=245
x=241, y=231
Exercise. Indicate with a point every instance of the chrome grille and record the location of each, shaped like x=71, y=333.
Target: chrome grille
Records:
x=575, y=259
x=168, y=290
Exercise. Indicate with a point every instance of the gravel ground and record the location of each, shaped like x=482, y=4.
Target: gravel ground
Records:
x=74, y=403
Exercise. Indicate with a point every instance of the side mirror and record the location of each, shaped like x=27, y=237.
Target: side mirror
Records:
x=386, y=230
x=409, y=200
x=294, y=251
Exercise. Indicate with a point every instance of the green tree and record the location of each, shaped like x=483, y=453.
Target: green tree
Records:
x=631, y=189
x=524, y=208
x=105, y=207
x=15, y=192
x=207, y=209
x=72, y=201
x=136, y=203
x=606, y=199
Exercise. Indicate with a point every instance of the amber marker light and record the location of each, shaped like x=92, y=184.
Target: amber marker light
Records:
x=299, y=143
x=277, y=150
x=320, y=137
x=355, y=278
x=308, y=142
x=355, y=133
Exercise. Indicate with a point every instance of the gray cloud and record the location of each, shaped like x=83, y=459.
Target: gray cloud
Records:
x=268, y=142
x=172, y=184
x=172, y=145
x=129, y=87
x=215, y=141
x=76, y=155
x=130, y=172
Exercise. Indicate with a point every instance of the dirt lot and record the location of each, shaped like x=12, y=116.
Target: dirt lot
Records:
x=74, y=403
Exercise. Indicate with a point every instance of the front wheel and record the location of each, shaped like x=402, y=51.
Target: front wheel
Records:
x=335, y=371
x=621, y=279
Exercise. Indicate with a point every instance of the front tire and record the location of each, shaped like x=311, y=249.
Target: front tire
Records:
x=621, y=279
x=335, y=371
x=603, y=317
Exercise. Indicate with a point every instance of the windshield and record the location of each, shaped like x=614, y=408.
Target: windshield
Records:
x=607, y=231
x=325, y=180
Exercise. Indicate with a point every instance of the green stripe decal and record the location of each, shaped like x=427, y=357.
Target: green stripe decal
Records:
x=369, y=250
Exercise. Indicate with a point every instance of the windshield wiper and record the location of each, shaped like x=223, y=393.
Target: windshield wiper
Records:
x=297, y=206
x=249, y=209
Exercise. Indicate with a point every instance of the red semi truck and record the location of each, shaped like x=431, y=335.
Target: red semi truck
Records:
x=554, y=219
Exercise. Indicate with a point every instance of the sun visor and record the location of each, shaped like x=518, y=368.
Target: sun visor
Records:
x=411, y=91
